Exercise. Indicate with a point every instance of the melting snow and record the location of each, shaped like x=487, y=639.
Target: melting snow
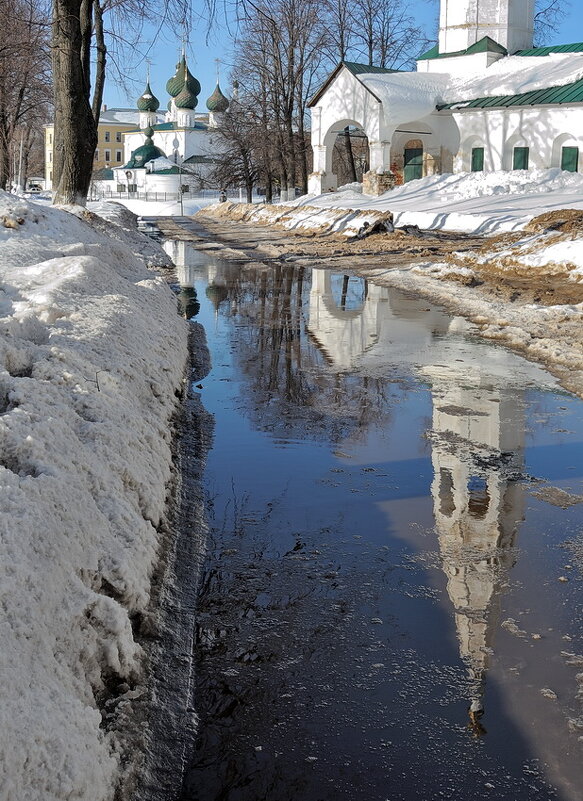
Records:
x=91, y=353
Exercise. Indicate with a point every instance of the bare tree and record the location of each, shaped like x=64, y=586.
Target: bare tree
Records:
x=237, y=143
x=79, y=38
x=24, y=82
x=548, y=17
x=280, y=48
x=386, y=33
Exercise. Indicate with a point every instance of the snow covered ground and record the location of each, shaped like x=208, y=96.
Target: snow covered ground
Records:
x=480, y=203
x=91, y=354
x=476, y=203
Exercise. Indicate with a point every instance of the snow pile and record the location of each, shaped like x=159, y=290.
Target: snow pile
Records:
x=518, y=74
x=91, y=354
x=471, y=202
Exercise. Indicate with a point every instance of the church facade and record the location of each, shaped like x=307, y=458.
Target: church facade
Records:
x=482, y=99
x=170, y=152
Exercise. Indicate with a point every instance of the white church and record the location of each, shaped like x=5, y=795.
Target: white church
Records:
x=482, y=99
x=171, y=150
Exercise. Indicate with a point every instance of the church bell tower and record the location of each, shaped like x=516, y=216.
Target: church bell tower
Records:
x=462, y=23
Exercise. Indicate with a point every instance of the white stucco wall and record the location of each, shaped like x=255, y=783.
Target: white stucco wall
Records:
x=544, y=130
x=462, y=23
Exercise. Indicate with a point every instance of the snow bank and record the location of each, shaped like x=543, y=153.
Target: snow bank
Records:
x=472, y=202
x=91, y=353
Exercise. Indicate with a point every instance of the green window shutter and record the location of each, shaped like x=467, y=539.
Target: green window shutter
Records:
x=570, y=159
x=520, y=161
x=478, y=159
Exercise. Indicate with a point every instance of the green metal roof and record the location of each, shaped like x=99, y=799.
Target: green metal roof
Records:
x=570, y=93
x=363, y=69
x=577, y=47
x=172, y=126
x=485, y=45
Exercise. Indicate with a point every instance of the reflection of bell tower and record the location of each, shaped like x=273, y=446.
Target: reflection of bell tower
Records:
x=477, y=454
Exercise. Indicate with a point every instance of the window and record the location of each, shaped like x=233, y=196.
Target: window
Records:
x=50, y=139
x=570, y=159
x=118, y=136
x=520, y=158
x=118, y=156
x=50, y=156
x=107, y=136
x=478, y=159
x=96, y=156
x=121, y=187
x=108, y=155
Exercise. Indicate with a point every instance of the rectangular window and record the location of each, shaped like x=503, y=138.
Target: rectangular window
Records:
x=96, y=155
x=107, y=136
x=118, y=136
x=520, y=158
x=50, y=139
x=108, y=155
x=121, y=187
x=570, y=159
x=50, y=156
x=118, y=156
x=478, y=159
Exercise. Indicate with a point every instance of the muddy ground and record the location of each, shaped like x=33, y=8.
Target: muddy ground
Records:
x=536, y=314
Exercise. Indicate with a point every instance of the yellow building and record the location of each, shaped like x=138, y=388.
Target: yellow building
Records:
x=109, y=152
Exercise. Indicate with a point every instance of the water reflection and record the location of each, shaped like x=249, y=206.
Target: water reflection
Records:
x=477, y=443
x=478, y=461
x=439, y=416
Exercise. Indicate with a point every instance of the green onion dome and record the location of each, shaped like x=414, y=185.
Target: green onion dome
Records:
x=188, y=95
x=146, y=152
x=176, y=82
x=148, y=101
x=216, y=294
x=181, y=77
x=217, y=101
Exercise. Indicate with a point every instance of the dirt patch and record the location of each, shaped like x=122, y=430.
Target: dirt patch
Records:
x=567, y=221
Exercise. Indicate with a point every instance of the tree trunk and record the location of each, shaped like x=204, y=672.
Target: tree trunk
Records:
x=4, y=161
x=349, y=155
x=75, y=127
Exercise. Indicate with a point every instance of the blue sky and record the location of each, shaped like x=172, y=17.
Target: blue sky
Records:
x=202, y=55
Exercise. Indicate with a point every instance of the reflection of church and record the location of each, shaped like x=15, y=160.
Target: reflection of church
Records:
x=477, y=440
x=478, y=444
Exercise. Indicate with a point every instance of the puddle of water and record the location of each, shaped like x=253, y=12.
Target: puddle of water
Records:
x=383, y=615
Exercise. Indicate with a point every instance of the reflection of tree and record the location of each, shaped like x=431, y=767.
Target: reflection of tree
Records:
x=188, y=304
x=292, y=388
x=477, y=456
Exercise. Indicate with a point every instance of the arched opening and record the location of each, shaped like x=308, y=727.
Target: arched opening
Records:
x=478, y=497
x=349, y=292
x=415, y=152
x=473, y=154
x=566, y=153
x=348, y=152
x=516, y=154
